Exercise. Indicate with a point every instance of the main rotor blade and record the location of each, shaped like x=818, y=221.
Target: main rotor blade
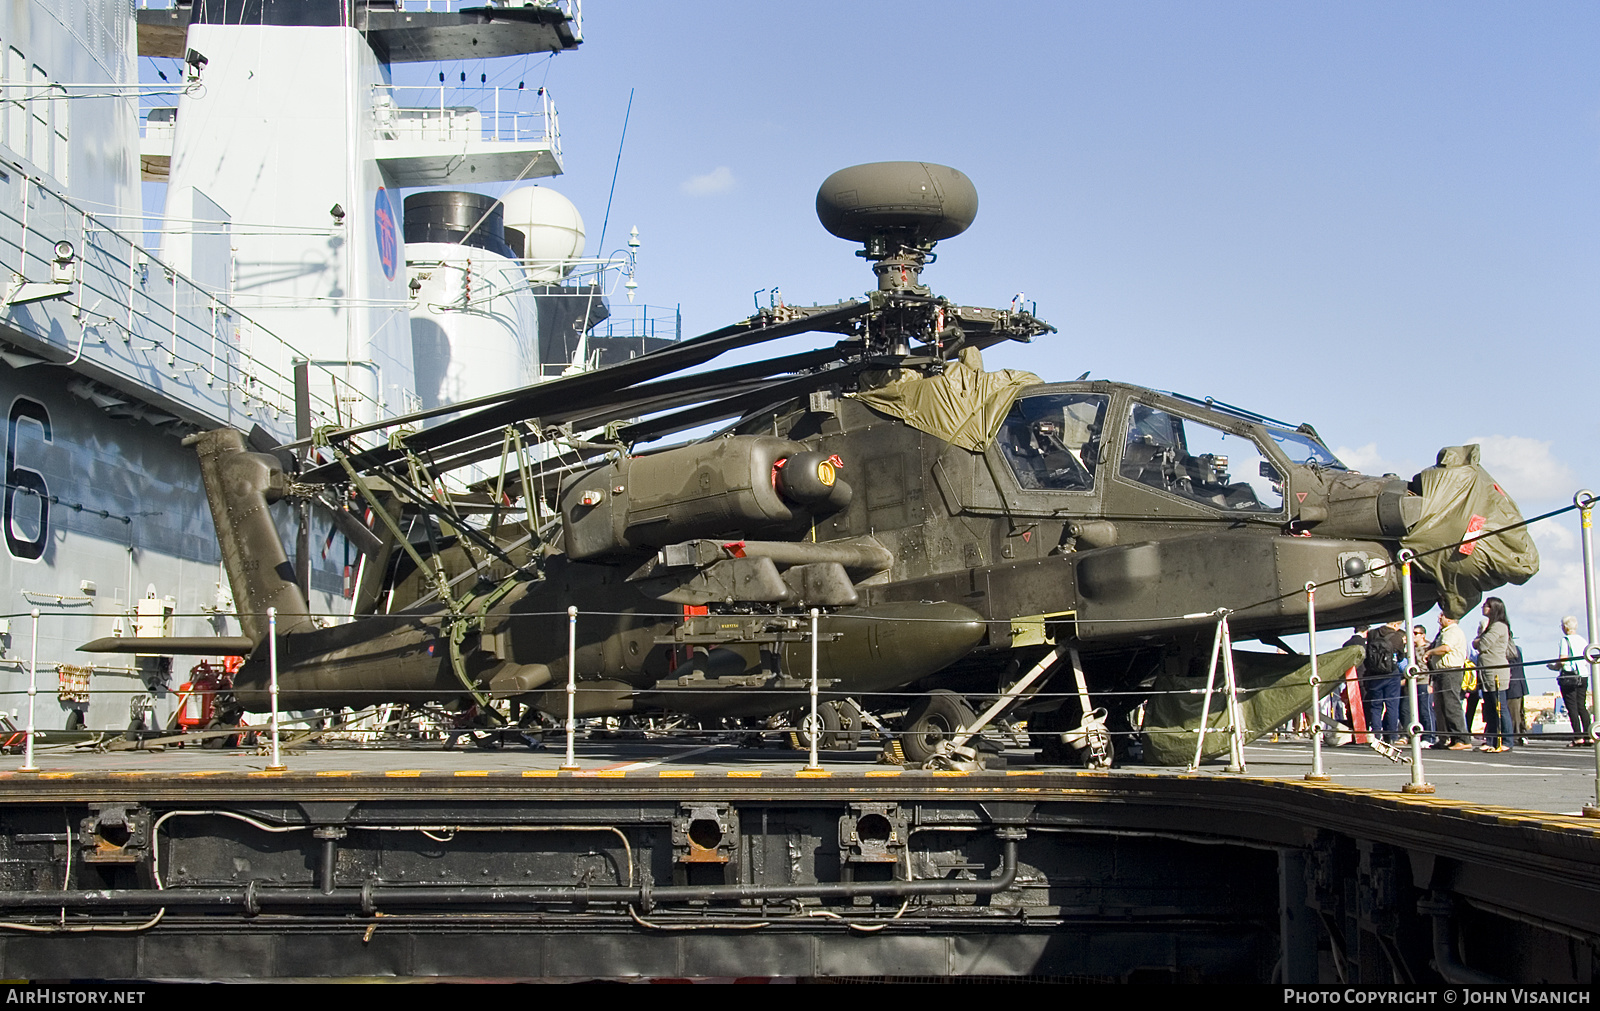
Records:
x=500, y=409
x=561, y=400
x=768, y=394
x=532, y=400
x=686, y=389
x=650, y=398
x=488, y=446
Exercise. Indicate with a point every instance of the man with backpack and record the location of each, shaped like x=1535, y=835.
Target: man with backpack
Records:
x=1380, y=680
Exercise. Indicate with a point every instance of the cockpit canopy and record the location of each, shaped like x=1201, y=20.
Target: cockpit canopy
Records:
x=1056, y=440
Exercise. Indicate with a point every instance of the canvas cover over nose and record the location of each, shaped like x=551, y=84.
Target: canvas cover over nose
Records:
x=1463, y=502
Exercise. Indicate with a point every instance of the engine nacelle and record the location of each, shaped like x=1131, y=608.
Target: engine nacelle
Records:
x=728, y=488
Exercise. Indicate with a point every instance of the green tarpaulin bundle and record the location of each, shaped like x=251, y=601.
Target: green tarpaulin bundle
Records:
x=1461, y=501
x=964, y=405
x=1273, y=688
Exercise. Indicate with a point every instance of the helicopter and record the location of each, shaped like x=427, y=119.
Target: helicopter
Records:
x=952, y=527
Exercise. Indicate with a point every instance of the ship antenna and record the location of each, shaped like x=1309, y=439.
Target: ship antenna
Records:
x=601, y=248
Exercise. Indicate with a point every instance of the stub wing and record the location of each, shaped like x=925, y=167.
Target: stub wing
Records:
x=174, y=645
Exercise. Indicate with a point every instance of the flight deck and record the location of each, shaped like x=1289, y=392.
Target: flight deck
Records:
x=1548, y=778
x=709, y=859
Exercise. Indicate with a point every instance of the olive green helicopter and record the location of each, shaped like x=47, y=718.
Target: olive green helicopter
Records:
x=967, y=537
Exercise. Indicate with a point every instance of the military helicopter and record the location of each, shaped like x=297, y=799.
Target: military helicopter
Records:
x=953, y=526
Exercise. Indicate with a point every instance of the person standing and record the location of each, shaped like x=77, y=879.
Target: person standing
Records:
x=1448, y=658
x=1570, y=680
x=1382, y=682
x=1424, y=715
x=1516, y=693
x=1494, y=675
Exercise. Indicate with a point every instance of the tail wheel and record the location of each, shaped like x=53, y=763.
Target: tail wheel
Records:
x=935, y=718
x=218, y=742
x=225, y=713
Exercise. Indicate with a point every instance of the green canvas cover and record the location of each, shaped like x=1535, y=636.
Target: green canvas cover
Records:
x=1273, y=687
x=964, y=406
x=1461, y=498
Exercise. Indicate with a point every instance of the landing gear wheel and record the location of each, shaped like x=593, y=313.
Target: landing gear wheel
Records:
x=934, y=718
x=848, y=734
x=1092, y=758
x=832, y=727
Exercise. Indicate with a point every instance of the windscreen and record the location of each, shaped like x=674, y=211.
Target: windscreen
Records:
x=1303, y=449
x=1199, y=462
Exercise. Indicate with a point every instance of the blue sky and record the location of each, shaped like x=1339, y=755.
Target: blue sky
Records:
x=1378, y=218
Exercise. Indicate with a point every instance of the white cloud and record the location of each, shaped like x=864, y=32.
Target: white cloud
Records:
x=718, y=180
x=1530, y=473
x=1369, y=459
x=1536, y=608
x=1525, y=467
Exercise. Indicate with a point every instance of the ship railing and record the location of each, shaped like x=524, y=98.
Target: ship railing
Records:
x=588, y=275
x=572, y=8
x=651, y=322
x=114, y=307
x=1006, y=721
x=628, y=331
x=1229, y=707
x=494, y=278
x=452, y=113
x=158, y=123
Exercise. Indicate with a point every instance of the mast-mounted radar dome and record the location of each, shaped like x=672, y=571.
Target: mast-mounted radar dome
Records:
x=897, y=210
x=912, y=201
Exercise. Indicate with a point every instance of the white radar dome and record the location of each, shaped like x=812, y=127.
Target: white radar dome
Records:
x=551, y=226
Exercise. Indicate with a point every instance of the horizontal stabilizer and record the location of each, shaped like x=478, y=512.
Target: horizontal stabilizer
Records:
x=185, y=645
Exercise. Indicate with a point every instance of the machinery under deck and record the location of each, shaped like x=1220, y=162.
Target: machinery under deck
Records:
x=716, y=861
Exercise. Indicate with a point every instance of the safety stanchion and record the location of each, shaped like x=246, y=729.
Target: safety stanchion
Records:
x=1419, y=782
x=275, y=763
x=571, y=764
x=1585, y=500
x=1236, y=727
x=1211, y=681
x=815, y=725
x=28, y=764
x=1316, y=775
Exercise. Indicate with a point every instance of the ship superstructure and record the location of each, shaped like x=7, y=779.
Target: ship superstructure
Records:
x=280, y=291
